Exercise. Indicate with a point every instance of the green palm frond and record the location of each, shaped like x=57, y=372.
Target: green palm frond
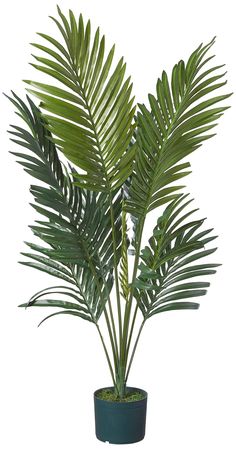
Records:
x=167, y=260
x=78, y=307
x=77, y=225
x=92, y=117
x=177, y=122
x=72, y=308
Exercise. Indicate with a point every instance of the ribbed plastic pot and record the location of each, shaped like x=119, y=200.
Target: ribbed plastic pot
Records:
x=120, y=422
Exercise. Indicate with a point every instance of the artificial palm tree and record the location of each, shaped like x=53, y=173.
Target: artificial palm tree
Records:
x=118, y=164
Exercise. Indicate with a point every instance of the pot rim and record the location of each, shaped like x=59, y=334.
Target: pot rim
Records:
x=144, y=392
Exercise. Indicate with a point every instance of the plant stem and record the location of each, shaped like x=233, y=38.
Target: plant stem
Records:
x=131, y=332
x=114, y=349
x=129, y=302
x=98, y=328
x=134, y=349
x=116, y=272
x=113, y=327
x=112, y=322
x=107, y=355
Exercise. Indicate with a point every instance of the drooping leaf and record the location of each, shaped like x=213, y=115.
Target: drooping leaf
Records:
x=176, y=306
x=75, y=226
x=67, y=312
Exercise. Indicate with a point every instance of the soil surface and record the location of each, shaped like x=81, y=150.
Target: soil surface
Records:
x=109, y=395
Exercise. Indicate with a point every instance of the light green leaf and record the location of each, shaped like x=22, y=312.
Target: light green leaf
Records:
x=98, y=103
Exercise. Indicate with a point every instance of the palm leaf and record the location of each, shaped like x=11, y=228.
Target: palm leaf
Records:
x=167, y=260
x=67, y=312
x=91, y=117
x=176, y=123
x=176, y=306
x=77, y=226
x=78, y=308
x=56, y=303
x=56, y=290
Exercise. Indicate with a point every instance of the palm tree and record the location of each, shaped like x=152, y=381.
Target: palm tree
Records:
x=117, y=164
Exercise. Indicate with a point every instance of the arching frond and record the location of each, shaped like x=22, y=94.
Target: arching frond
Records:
x=77, y=226
x=91, y=118
x=169, y=259
x=175, y=124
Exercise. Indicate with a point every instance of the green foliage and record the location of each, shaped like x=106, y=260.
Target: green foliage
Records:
x=123, y=167
x=167, y=261
x=76, y=226
x=174, y=126
x=92, y=121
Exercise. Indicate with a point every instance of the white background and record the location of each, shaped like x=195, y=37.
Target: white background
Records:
x=185, y=360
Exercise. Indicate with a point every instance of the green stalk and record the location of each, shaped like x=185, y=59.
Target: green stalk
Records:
x=134, y=349
x=107, y=356
x=131, y=332
x=129, y=302
x=97, y=326
x=114, y=349
x=107, y=319
x=113, y=327
x=116, y=272
x=121, y=369
x=112, y=323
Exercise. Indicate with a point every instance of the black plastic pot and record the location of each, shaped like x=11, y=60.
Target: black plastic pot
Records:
x=120, y=422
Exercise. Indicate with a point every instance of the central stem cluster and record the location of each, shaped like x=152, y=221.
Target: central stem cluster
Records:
x=122, y=368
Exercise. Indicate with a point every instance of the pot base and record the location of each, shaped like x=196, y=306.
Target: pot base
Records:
x=120, y=422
